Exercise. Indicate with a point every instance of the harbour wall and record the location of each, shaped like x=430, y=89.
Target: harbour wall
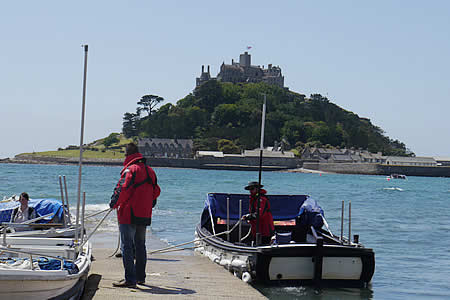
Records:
x=252, y=163
x=227, y=163
x=378, y=169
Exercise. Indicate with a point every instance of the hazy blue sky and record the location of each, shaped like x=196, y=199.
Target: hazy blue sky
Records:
x=384, y=60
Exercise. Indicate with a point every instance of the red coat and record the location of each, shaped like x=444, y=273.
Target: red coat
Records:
x=134, y=194
x=266, y=227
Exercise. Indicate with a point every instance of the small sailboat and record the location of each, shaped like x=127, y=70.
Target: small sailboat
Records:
x=46, y=267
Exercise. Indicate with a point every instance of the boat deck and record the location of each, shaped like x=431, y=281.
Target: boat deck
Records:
x=168, y=276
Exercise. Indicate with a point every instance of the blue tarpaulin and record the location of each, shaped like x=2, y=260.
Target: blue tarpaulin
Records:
x=41, y=206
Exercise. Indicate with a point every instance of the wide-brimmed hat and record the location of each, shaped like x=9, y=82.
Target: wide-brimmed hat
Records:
x=253, y=184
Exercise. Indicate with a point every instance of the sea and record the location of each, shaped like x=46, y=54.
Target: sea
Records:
x=405, y=222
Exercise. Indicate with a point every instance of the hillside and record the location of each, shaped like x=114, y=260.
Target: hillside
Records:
x=111, y=147
x=227, y=117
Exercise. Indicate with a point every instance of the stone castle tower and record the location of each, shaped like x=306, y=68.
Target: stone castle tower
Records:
x=243, y=71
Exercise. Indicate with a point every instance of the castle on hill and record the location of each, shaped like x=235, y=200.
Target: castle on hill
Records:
x=243, y=71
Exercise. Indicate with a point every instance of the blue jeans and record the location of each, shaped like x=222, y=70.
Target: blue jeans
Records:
x=133, y=248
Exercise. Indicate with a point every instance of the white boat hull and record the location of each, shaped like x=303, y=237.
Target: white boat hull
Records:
x=45, y=284
x=340, y=265
x=302, y=268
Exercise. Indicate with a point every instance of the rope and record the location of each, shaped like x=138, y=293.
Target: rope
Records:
x=247, y=235
x=180, y=249
x=195, y=240
x=118, y=241
x=96, y=227
x=97, y=213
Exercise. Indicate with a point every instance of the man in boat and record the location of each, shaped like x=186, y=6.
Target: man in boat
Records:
x=134, y=198
x=23, y=212
x=266, y=227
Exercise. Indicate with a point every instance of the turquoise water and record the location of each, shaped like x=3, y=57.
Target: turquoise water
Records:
x=406, y=222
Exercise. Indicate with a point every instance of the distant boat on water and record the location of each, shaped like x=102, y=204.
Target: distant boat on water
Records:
x=397, y=176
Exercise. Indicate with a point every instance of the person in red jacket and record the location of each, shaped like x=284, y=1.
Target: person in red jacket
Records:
x=266, y=227
x=134, y=198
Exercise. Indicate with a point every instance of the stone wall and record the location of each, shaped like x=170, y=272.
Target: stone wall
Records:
x=377, y=169
x=229, y=163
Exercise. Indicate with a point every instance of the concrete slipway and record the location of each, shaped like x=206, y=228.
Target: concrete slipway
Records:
x=169, y=276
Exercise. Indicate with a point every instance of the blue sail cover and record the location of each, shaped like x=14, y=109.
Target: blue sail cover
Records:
x=283, y=207
x=41, y=206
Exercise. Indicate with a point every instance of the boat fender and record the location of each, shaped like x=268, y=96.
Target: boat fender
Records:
x=246, y=277
x=224, y=262
x=214, y=258
x=238, y=263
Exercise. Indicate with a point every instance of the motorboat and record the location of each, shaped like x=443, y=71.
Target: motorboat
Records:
x=304, y=250
x=397, y=176
x=43, y=268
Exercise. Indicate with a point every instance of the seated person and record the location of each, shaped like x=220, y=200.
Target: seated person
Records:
x=266, y=226
x=23, y=212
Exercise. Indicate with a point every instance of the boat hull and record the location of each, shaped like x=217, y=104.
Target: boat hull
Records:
x=304, y=263
x=46, y=284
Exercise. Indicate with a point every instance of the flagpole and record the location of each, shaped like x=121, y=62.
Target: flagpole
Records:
x=261, y=149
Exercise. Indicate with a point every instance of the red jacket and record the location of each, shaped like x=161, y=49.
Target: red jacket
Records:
x=135, y=192
x=266, y=227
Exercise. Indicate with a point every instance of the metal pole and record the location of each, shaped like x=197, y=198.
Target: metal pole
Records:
x=349, y=221
x=228, y=218
x=67, y=198
x=240, y=216
x=62, y=200
x=263, y=123
x=258, y=196
x=81, y=142
x=4, y=236
x=342, y=222
x=82, y=217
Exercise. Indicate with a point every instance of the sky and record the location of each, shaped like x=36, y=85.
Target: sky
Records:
x=383, y=60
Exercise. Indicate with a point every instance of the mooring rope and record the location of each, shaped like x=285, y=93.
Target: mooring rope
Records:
x=96, y=227
x=195, y=240
x=247, y=235
x=97, y=213
x=118, y=240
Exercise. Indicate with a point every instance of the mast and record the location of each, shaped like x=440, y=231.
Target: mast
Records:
x=261, y=148
x=80, y=163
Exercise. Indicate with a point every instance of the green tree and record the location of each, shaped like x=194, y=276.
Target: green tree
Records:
x=227, y=146
x=111, y=139
x=216, y=111
x=148, y=103
x=129, y=128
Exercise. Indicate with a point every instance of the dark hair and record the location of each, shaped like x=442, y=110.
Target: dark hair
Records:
x=131, y=149
x=25, y=195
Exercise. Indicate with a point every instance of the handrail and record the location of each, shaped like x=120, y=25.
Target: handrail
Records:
x=314, y=233
x=29, y=221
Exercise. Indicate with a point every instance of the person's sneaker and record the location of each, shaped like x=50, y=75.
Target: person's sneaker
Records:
x=140, y=282
x=123, y=283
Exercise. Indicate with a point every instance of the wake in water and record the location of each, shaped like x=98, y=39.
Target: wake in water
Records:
x=309, y=293
x=393, y=189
